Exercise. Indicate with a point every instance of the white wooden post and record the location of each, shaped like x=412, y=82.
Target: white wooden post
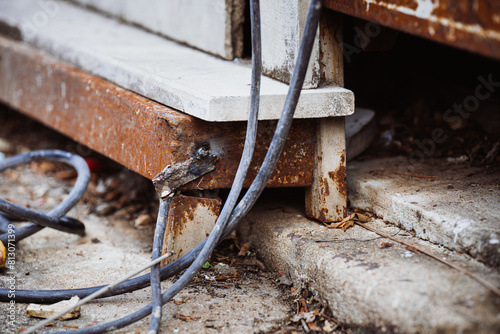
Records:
x=282, y=27
x=326, y=199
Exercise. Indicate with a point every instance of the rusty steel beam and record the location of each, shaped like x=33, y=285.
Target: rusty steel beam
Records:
x=140, y=134
x=466, y=24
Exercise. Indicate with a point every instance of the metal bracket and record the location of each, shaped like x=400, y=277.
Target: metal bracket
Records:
x=174, y=177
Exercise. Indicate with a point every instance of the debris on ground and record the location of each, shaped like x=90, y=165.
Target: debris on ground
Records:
x=47, y=311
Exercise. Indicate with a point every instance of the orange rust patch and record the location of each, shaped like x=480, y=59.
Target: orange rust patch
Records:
x=339, y=178
x=326, y=189
x=323, y=214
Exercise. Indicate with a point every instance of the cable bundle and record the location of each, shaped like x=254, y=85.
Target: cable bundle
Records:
x=229, y=217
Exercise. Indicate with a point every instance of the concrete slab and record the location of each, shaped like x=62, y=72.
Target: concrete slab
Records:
x=214, y=26
x=389, y=290
x=177, y=76
x=458, y=208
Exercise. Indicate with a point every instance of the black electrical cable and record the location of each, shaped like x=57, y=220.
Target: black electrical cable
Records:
x=234, y=193
x=68, y=224
x=241, y=209
x=257, y=186
x=161, y=224
x=54, y=218
x=51, y=296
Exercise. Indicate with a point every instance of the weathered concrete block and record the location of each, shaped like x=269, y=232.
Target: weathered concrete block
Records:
x=434, y=200
x=369, y=288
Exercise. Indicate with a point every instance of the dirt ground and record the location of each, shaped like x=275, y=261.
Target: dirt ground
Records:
x=119, y=210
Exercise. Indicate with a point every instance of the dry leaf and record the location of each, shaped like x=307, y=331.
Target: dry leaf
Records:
x=72, y=327
x=349, y=221
x=347, y=224
x=67, y=174
x=329, y=327
x=226, y=278
x=303, y=305
x=361, y=218
x=184, y=317
x=312, y=326
x=307, y=316
x=47, y=311
x=244, y=249
x=386, y=245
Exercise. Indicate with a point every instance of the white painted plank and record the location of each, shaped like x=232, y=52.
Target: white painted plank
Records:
x=208, y=25
x=182, y=78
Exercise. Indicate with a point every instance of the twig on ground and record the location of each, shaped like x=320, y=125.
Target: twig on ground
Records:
x=408, y=174
x=413, y=248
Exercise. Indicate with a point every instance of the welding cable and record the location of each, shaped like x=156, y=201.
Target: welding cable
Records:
x=255, y=189
x=72, y=225
x=239, y=179
x=53, y=218
x=5, y=223
x=52, y=296
x=21, y=213
x=161, y=225
x=156, y=305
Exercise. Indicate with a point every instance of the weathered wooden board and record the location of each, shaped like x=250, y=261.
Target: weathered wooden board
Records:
x=282, y=24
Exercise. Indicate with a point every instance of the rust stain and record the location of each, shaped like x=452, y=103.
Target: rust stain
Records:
x=325, y=188
x=323, y=214
x=339, y=177
x=182, y=215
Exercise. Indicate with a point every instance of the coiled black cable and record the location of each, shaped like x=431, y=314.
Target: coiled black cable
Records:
x=54, y=218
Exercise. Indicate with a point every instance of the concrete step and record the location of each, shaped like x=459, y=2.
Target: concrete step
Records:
x=369, y=288
x=179, y=77
x=450, y=204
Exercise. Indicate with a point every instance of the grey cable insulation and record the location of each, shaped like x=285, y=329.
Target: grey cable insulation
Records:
x=257, y=186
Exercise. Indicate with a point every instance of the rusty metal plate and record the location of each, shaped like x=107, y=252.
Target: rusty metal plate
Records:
x=466, y=24
x=140, y=134
x=190, y=220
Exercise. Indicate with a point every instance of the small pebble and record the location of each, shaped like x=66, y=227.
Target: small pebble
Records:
x=143, y=221
x=103, y=209
x=223, y=269
x=6, y=147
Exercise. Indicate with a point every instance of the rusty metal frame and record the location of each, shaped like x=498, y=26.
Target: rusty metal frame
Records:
x=140, y=134
x=466, y=24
